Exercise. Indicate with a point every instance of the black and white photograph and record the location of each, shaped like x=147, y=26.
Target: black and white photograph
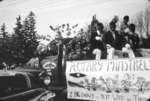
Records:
x=74, y=50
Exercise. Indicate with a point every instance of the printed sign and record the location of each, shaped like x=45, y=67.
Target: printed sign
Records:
x=109, y=80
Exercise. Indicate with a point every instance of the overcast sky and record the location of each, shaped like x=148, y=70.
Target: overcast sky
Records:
x=66, y=11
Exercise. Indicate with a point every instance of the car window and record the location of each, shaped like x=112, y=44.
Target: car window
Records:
x=12, y=85
x=35, y=81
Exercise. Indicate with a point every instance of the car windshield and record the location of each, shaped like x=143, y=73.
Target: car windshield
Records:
x=35, y=81
x=12, y=84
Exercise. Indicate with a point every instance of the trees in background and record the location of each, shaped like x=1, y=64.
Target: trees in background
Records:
x=4, y=51
x=3, y=33
x=18, y=40
x=21, y=45
x=25, y=39
x=143, y=27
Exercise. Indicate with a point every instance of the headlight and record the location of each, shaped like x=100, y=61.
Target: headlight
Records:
x=47, y=80
x=49, y=65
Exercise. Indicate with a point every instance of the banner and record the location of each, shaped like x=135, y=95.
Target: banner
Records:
x=109, y=80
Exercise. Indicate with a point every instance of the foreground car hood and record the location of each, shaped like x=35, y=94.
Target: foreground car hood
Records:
x=30, y=95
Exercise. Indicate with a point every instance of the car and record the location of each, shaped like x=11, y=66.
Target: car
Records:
x=22, y=86
x=53, y=62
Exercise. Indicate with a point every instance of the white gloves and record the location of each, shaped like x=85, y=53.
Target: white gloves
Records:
x=98, y=38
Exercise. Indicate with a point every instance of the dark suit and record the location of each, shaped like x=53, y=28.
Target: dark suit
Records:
x=133, y=40
x=96, y=43
x=116, y=41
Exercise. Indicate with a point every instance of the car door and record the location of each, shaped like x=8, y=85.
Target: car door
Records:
x=16, y=88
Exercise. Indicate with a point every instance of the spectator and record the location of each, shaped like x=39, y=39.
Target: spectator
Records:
x=5, y=65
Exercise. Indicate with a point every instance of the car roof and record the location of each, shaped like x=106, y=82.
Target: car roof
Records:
x=27, y=70
x=10, y=73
